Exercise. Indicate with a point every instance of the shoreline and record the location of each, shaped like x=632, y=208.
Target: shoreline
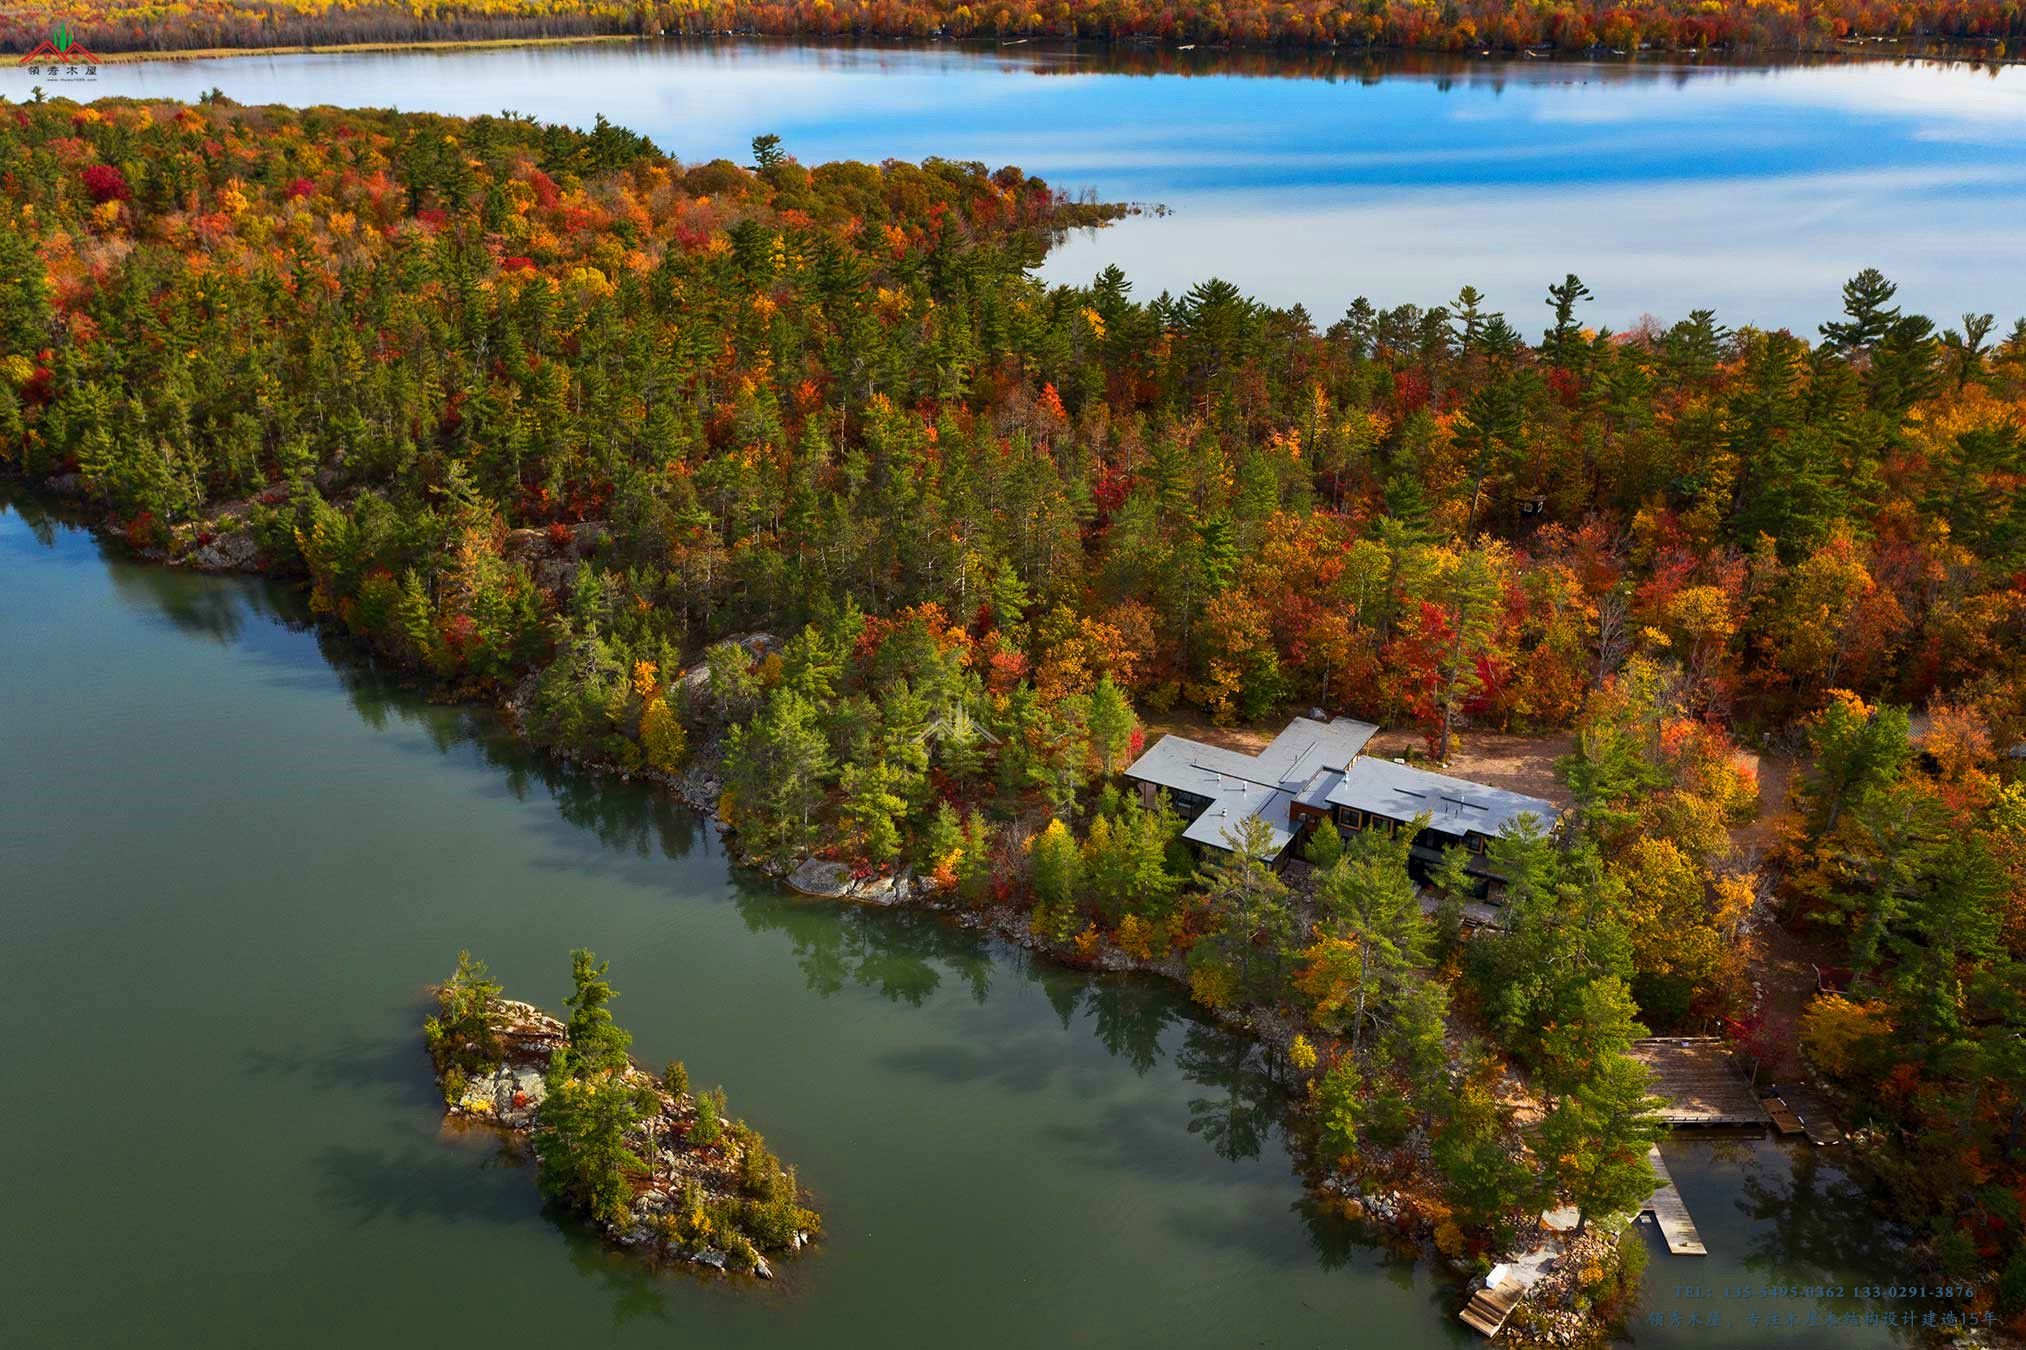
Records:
x=1864, y=50
x=119, y=58
x=1388, y=1203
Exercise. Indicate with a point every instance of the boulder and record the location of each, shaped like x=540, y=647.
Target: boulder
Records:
x=877, y=891
x=227, y=553
x=586, y=537
x=555, y=574
x=828, y=880
x=507, y=1093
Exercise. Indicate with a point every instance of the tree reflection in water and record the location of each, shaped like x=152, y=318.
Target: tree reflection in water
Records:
x=1247, y=1101
x=1811, y=1222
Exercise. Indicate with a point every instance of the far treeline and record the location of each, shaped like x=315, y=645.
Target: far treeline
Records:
x=1623, y=26
x=547, y=416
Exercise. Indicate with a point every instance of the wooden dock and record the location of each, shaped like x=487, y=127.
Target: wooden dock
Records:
x=1810, y=1113
x=1488, y=1308
x=1698, y=1082
x=1667, y=1209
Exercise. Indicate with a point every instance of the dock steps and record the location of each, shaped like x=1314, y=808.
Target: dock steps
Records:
x=1488, y=1308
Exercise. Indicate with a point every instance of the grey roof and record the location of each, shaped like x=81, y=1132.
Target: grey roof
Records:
x=1227, y=811
x=1305, y=748
x=1454, y=805
x=1316, y=792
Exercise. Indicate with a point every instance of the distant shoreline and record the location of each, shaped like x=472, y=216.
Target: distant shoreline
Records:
x=118, y=58
x=1206, y=55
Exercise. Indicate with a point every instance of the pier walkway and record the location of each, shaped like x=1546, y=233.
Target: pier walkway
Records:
x=1667, y=1209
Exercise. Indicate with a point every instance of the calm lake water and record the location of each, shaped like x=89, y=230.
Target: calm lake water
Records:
x=1667, y=186
x=231, y=860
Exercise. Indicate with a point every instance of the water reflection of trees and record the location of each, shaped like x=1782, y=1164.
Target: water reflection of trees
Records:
x=622, y=816
x=42, y=526
x=1811, y=1223
x=901, y=955
x=1246, y=1102
x=1497, y=68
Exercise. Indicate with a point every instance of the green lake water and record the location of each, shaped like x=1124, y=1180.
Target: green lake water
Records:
x=231, y=859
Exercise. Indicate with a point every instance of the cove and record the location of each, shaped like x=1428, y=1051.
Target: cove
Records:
x=1667, y=185
x=234, y=858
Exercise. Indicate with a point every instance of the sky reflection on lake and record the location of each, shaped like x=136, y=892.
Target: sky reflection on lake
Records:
x=1666, y=186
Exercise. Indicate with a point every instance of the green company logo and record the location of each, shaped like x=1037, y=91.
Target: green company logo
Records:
x=62, y=56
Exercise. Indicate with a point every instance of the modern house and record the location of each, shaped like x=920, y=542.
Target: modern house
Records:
x=1379, y=794
x=1314, y=772
x=1286, y=784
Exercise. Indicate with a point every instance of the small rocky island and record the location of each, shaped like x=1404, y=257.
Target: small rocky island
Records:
x=660, y=1170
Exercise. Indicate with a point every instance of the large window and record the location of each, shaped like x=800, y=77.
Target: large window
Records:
x=1350, y=817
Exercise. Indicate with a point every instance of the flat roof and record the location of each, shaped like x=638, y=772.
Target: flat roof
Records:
x=1227, y=812
x=1454, y=805
x=1304, y=748
x=1316, y=792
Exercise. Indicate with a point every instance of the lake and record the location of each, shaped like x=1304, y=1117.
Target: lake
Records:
x=233, y=858
x=1666, y=185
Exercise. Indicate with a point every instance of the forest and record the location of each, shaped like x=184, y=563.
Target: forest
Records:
x=1741, y=26
x=547, y=417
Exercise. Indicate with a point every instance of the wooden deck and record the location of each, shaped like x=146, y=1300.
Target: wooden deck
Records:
x=1699, y=1082
x=1810, y=1113
x=1667, y=1209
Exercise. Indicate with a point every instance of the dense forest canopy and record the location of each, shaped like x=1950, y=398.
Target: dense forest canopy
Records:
x=546, y=414
x=1452, y=25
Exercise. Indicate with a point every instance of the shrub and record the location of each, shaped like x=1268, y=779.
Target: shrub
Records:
x=105, y=183
x=1213, y=983
x=1836, y=1031
x=740, y=1248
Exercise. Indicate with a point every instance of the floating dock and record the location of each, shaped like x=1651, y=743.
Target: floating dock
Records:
x=1809, y=1112
x=1784, y=1120
x=1667, y=1209
x=1698, y=1082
